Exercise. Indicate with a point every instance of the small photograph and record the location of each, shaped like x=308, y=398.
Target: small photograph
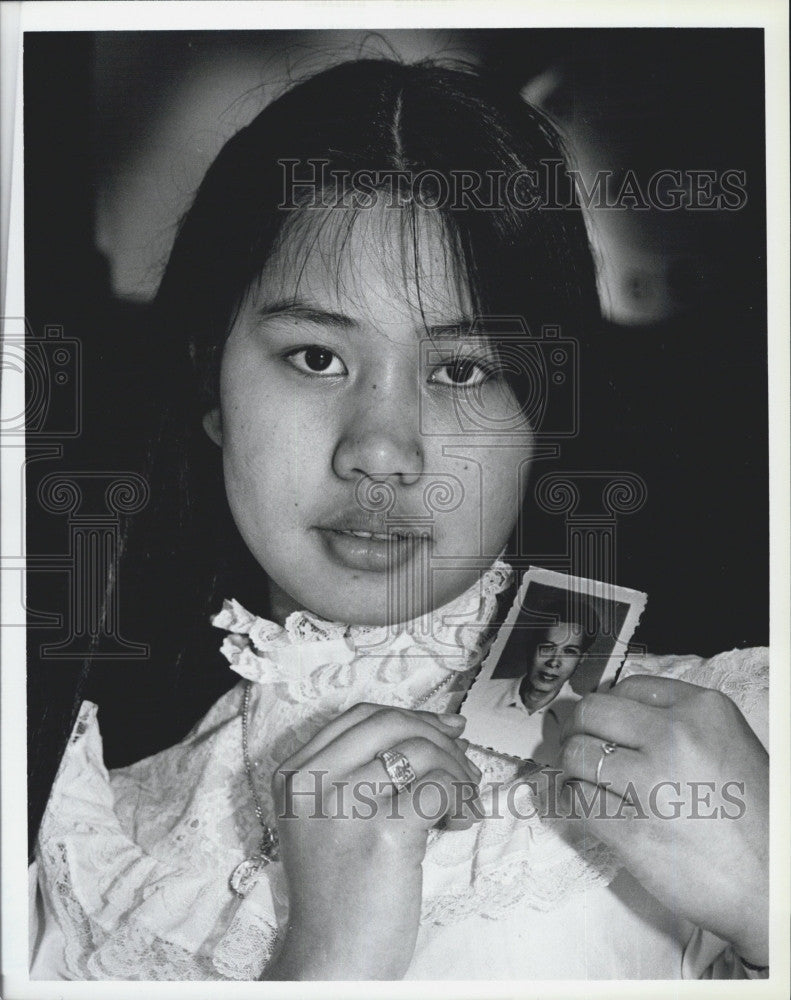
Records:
x=564, y=637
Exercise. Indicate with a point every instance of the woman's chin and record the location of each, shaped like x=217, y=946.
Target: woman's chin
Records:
x=367, y=612
x=375, y=602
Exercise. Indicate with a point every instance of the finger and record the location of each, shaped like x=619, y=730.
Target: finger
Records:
x=660, y=692
x=580, y=759
x=596, y=806
x=439, y=799
x=451, y=725
x=381, y=730
x=463, y=817
x=627, y=723
x=423, y=756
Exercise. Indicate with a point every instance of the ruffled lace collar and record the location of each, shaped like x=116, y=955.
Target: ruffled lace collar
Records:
x=265, y=653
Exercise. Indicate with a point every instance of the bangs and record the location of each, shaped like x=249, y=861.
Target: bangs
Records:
x=274, y=194
x=409, y=242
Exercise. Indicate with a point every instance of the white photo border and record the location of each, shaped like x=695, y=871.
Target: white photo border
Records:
x=482, y=722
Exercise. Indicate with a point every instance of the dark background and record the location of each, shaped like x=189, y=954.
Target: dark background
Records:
x=673, y=389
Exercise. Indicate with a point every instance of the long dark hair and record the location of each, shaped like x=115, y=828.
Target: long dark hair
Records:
x=183, y=554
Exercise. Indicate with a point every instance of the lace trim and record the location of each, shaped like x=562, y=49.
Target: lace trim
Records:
x=134, y=864
x=521, y=879
x=129, y=951
x=266, y=653
x=513, y=856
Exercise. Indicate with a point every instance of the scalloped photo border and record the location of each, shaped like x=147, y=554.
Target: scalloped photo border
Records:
x=492, y=729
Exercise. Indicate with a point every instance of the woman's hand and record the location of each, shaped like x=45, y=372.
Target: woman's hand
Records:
x=352, y=846
x=700, y=844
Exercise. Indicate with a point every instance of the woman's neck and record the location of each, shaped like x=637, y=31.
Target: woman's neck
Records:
x=281, y=604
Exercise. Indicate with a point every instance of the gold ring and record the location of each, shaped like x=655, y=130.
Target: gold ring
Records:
x=606, y=749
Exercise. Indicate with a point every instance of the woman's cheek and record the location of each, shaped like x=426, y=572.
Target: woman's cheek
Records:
x=288, y=452
x=505, y=484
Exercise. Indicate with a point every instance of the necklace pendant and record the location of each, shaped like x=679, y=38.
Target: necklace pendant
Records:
x=246, y=873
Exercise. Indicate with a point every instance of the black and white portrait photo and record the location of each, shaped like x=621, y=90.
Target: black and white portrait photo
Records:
x=564, y=638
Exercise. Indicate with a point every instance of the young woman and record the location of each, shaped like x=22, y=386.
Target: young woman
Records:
x=349, y=327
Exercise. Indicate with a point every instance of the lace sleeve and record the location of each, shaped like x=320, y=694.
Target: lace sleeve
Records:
x=45, y=955
x=124, y=914
x=516, y=854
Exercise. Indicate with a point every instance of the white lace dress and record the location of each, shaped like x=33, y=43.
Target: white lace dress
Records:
x=132, y=865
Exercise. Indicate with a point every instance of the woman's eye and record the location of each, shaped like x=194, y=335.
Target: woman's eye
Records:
x=316, y=360
x=461, y=372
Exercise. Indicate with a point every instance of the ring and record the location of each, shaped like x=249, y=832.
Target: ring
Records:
x=606, y=749
x=398, y=768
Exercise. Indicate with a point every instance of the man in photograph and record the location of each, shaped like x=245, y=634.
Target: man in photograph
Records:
x=554, y=661
x=551, y=660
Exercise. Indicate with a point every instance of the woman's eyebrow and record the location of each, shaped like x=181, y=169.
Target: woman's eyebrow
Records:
x=457, y=330
x=451, y=331
x=299, y=310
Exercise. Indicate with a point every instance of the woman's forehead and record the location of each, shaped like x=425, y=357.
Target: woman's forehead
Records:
x=365, y=258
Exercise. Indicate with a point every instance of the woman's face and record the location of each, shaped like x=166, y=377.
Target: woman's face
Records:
x=354, y=471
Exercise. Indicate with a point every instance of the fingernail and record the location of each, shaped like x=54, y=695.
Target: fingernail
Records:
x=473, y=769
x=451, y=719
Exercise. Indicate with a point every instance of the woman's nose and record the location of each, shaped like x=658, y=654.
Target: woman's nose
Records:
x=380, y=444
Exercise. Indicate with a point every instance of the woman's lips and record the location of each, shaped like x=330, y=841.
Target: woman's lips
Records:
x=374, y=551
